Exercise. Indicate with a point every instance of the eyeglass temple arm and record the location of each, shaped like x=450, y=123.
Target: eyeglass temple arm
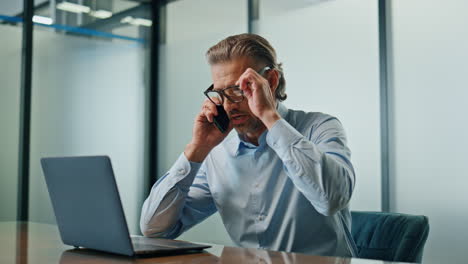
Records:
x=265, y=69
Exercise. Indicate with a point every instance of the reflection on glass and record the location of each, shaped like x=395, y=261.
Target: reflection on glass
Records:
x=88, y=97
x=249, y=255
x=10, y=71
x=83, y=256
x=75, y=256
x=108, y=19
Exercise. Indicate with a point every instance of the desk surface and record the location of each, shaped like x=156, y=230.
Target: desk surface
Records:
x=27, y=242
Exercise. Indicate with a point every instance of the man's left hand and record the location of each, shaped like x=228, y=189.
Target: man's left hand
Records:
x=260, y=96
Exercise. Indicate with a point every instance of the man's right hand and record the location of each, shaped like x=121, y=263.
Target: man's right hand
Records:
x=205, y=135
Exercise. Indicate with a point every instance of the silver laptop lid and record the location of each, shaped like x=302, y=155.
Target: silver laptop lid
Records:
x=87, y=204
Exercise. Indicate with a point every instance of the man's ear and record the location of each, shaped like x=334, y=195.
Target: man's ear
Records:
x=273, y=79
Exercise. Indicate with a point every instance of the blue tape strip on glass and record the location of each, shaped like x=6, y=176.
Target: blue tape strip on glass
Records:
x=78, y=30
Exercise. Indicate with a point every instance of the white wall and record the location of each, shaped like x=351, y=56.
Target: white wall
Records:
x=192, y=27
x=10, y=54
x=331, y=64
x=430, y=159
x=88, y=99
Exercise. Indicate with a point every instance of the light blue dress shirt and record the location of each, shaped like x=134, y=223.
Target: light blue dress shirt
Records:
x=290, y=193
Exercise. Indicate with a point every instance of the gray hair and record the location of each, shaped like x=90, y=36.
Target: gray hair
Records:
x=248, y=45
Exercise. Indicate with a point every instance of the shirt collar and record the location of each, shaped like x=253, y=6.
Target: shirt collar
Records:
x=235, y=144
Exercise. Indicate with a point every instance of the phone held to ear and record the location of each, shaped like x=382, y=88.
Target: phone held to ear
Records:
x=221, y=120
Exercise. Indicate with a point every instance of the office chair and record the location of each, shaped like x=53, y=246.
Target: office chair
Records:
x=389, y=236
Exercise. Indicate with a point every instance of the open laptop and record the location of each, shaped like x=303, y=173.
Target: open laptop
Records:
x=88, y=210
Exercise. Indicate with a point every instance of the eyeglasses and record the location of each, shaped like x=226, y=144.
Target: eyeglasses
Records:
x=233, y=93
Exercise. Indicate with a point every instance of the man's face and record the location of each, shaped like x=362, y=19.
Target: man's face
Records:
x=226, y=74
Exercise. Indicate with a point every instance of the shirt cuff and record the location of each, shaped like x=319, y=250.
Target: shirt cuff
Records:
x=184, y=171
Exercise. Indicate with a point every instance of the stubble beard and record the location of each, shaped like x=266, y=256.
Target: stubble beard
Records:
x=252, y=126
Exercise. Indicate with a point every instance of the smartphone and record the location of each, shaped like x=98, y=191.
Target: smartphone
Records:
x=221, y=120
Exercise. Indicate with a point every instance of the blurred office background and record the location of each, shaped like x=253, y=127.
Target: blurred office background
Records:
x=89, y=79
x=393, y=72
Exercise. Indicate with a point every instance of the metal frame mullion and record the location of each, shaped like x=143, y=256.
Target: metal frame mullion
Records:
x=25, y=112
x=252, y=14
x=384, y=105
x=156, y=7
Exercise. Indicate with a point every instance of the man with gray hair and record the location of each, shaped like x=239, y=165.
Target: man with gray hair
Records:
x=282, y=182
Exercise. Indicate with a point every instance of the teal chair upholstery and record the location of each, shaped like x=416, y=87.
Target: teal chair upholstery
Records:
x=389, y=236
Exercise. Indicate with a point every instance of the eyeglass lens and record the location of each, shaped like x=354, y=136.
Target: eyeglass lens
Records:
x=234, y=94
x=215, y=97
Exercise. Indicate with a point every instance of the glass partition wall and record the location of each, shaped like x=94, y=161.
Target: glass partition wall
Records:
x=89, y=88
x=429, y=128
x=330, y=56
x=89, y=84
x=11, y=30
x=10, y=82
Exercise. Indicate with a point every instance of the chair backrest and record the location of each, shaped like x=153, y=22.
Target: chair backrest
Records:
x=389, y=236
